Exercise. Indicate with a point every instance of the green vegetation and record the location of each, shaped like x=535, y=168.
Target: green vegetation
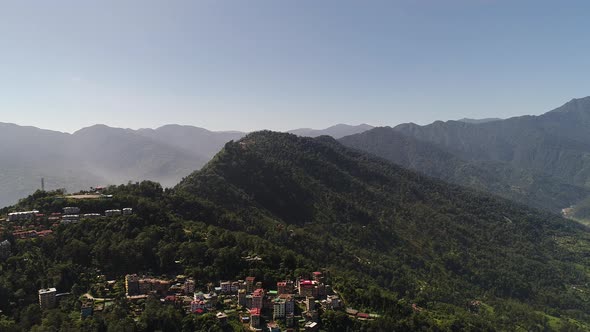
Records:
x=415, y=250
x=529, y=187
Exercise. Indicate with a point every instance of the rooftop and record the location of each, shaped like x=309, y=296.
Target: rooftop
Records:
x=47, y=290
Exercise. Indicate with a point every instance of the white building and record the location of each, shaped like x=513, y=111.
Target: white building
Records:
x=47, y=298
x=71, y=210
x=22, y=215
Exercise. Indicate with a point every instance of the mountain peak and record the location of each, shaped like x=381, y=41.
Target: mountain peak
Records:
x=574, y=105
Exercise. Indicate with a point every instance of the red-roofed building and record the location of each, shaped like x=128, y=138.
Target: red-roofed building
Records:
x=198, y=305
x=306, y=288
x=363, y=315
x=255, y=318
x=44, y=233
x=285, y=287
x=257, y=298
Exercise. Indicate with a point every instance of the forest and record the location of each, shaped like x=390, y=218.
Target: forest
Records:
x=423, y=254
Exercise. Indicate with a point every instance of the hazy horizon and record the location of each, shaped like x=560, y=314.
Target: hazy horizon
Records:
x=264, y=64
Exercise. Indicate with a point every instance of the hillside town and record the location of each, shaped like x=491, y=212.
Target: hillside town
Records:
x=291, y=305
x=33, y=224
x=288, y=305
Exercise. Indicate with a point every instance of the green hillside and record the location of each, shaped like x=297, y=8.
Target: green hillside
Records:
x=422, y=254
x=500, y=178
x=414, y=238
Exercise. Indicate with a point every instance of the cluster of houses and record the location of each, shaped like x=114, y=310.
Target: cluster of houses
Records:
x=292, y=304
x=35, y=227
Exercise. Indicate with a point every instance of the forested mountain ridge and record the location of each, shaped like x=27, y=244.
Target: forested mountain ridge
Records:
x=414, y=237
x=556, y=143
x=500, y=178
x=101, y=155
x=423, y=254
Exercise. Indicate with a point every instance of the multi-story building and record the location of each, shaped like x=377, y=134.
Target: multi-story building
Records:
x=47, y=299
x=278, y=308
x=189, y=286
x=132, y=284
x=310, y=303
x=257, y=298
x=242, y=297
x=285, y=287
x=225, y=287
x=289, y=303
x=250, y=284
x=306, y=288
x=255, y=318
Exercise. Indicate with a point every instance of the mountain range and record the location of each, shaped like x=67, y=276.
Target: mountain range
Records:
x=542, y=161
x=101, y=155
x=420, y=253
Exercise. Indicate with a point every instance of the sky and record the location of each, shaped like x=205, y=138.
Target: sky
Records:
x=248, y=65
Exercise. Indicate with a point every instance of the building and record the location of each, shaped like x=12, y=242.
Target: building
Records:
x=289, y=303
x=70, y=218
x=5, y=249
x=127, y=211
x=310, y=304
x=225, y=287
x=242, y=297
x=306, y=288
x=47, y=299
x=250, y=284
x=148, y=285
x=112, y=213
x=222, y=318
x=333, y=302
x=189, y=286
x=211, y=299
x=290, y=320
x=71, y=210
x=132, y=284
x=22, y=215
x=285, y=287
x=257, y=298
x=25, y=234
x=255, y=318
x=87, y=308
x=311, y=326
x=278, y=308
x=198, y=305
x=91, y=215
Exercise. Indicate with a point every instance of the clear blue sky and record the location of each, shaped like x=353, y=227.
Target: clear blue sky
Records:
x=246, y=65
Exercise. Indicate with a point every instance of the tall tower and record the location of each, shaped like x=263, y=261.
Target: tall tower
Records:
x=42, y=184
